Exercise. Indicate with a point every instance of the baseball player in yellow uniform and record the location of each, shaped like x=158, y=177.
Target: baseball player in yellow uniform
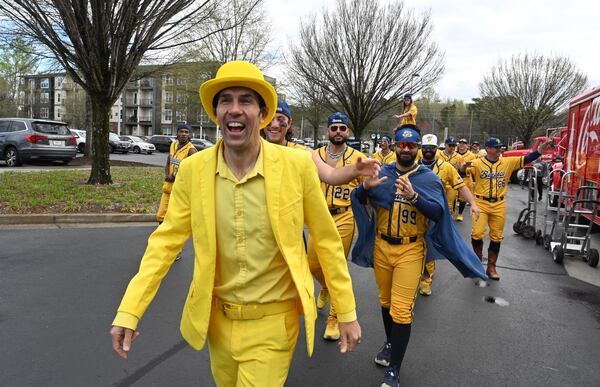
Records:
x=451, y=156
x=276, y=131
x=467, y=155
x=179, y=150
x=452, y=181
x=491, y=175
x=336, y=154
x=386, y=155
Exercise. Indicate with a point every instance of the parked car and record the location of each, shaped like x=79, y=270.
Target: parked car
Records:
x=161, y=143
x=80, y=136
x=201, y=143
x=25, y=139
x=138, y=145
x=117, y=145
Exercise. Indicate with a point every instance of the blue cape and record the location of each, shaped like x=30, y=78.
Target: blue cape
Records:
x=442, y=238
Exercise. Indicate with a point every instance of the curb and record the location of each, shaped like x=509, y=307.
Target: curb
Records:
x=75, y=218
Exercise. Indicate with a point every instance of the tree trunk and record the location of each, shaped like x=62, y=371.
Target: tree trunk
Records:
x=100, y=148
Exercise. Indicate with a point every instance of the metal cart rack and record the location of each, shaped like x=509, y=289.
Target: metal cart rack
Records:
x=563, y=201
x=575, y=237
x=526, y=223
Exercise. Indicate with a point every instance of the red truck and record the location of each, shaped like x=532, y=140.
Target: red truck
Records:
x=547, y=156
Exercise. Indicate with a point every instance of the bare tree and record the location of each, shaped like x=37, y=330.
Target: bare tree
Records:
x=15, y=61
x=366, y=55
x=528, y=90
x=243, y=34
x=100, y=43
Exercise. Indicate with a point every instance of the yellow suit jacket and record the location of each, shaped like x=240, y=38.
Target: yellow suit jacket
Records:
x=294, y=198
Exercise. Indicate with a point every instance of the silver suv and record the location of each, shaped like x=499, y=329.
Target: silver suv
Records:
x=25, y=139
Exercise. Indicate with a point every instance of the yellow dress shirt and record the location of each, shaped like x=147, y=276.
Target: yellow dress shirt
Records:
x=250, y=268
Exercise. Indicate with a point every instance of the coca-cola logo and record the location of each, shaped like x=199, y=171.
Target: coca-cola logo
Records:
x=587, y=138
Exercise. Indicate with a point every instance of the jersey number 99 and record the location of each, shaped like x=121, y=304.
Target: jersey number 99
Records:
x=409, y=217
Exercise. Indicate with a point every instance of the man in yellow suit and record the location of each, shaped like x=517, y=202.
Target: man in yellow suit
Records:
x=244, y=202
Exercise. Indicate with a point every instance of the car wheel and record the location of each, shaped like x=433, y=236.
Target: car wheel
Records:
x=11, y=156
x=150, y=152
x=136, y=149
x=112, y=149
x=81, y=148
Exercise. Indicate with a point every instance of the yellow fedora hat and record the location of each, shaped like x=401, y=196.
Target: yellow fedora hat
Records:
x=238, y=74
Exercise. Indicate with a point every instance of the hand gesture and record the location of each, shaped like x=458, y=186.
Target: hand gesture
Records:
x=374, y=182
x=404, y=185
x=396, y=116
x=350, y=335
x=545, y=146
x=368, y=167
x=122, y=339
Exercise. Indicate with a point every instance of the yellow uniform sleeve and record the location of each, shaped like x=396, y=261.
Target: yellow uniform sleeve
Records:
x=455, y=180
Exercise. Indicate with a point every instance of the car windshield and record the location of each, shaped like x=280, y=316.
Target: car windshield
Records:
x=50, y=128
x=136, y=139
x=113, y=137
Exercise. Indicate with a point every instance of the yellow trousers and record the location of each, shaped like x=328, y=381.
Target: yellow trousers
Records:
x=492, y=215
x=252, y=353
x=451, y=194
x=398, y=270
x=164, y=201
x=346, y=228
x=427, y=276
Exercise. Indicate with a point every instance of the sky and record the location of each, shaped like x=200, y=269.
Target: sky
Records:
x=475, y=35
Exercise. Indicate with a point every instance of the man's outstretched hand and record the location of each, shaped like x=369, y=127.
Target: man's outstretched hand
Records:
x=350, y=335
x=368, y=167
x=122, y=339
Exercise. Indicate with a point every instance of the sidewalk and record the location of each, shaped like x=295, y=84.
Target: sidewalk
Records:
x=46, y=219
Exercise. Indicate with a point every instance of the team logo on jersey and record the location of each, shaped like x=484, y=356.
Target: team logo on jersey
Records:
x=488, y=175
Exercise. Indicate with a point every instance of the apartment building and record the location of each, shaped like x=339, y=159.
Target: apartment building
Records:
x=153, y=104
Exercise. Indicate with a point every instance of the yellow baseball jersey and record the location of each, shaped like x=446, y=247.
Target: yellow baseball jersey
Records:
x=455, y=159
x=466, y=157
x=389, y=158
x=491, y=179
x=447, y=174
x=178, y=153
x=412, y=117
x=403, y=219
x=339, y=195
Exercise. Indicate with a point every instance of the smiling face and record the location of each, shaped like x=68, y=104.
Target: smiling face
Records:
x=463, y=147
x=239, y=116
x=277, y=129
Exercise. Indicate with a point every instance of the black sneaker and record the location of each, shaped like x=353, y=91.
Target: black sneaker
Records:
x=384, y=355
x=391, y=377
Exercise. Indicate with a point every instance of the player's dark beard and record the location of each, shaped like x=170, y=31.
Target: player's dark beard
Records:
x=429, y=155
x=405, y=159
x=335, y=141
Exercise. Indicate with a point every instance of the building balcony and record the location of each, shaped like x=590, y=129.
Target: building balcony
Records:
x=147, y=102
x=146, y=84
x=146, y=120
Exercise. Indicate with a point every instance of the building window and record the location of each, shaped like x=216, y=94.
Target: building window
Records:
x=168, y=115
x=57, y=97
x=58, y=113
x=181, y=98
x=44, y=97
x=44, y=112
x=44, y=83
x=180, y=115
x=168, y=97
x=168, y=79
x=180, y=81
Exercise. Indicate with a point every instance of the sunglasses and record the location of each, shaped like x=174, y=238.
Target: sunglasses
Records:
x=341, y=128
x=429, y=147
x=409, y=145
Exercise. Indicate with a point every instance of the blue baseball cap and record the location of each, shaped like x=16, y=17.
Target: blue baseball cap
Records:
x=408, y=95
x=493, y=142
x=386, y=138
x=338, y=118
x=283, y=108
x=407, y=135
x=183, y=126
x=450, y=141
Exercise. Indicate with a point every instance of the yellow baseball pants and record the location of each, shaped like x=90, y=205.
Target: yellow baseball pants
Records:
x=164, y=201
x=451, y=195
x=492, y=215
x=346, y=228
x=398, y=270
x=252, y=353
x=427, y=277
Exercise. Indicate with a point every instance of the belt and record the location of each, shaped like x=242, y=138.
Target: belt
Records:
x=253, y=311
x=338, y=210
x=491, y=200
x=399, y=241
